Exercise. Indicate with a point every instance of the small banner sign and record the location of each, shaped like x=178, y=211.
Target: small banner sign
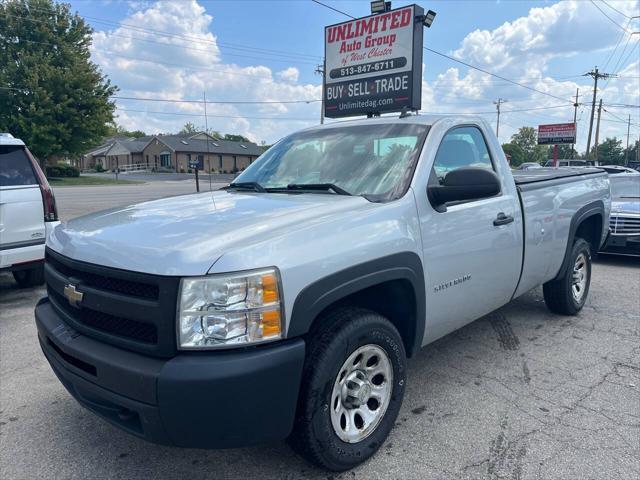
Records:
x=374, y=64
x=196, y=163
x=556, y=134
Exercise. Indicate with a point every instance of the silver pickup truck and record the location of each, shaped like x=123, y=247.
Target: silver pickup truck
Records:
x=286, y=304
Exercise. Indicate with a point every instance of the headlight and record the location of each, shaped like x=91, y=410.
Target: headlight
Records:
x=219, y=310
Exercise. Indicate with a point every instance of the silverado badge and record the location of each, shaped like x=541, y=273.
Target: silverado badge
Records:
x=73, y=295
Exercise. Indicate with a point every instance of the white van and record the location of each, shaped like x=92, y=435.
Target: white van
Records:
x=27, y=212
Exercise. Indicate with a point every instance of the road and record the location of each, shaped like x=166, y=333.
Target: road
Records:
x=519, y=394
x=76, y=201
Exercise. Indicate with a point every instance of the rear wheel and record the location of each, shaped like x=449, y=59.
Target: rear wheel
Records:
x=353, y=385
x=568, y=294
x=29, y=278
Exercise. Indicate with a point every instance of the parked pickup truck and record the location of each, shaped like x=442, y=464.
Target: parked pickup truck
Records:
x=287, y=304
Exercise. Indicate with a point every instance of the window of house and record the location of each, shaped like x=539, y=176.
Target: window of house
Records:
x=461, y=147
x=235, y=163
x=165, y=159
x=220, y=159
x=201, y=159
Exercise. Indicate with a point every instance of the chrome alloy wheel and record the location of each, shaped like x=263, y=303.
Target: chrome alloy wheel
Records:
x=361, y=393
x=579, y=279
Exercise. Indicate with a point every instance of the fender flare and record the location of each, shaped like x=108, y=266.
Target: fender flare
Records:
x=589, y=210
x=322, y=293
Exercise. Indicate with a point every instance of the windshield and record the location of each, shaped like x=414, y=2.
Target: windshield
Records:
x=369, y=160
x=625, y=186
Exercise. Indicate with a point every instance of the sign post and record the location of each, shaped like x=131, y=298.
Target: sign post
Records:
x=556, y=134
x=373, y=64
x=196, y=164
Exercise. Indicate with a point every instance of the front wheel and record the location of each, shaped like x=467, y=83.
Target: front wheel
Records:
x=567, y=295
x=353, y=385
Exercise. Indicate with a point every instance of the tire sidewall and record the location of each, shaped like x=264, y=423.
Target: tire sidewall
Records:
x=369, y=329
x=580, y=246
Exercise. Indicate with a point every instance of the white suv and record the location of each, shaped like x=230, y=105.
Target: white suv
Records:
x=27, y=212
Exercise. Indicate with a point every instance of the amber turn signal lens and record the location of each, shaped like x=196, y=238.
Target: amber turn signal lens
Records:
x=269, y=288
x=270, y=323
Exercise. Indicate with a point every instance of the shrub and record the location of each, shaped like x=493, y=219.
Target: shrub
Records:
x=62, y=170
x=99, y=167
x=189, y=171
x=182, y=170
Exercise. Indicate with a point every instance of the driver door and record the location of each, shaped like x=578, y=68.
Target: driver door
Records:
x=472, y=265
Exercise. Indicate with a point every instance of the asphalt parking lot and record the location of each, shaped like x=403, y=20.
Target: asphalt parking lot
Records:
x=519, y=394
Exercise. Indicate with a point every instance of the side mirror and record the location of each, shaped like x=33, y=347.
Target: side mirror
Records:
x=467, y=183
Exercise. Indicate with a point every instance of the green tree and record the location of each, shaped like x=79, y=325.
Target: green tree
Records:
x=610, y=152
x=527, y=139
x=53, y=97
x=564, y=152
x=235, y=138
x=515, y=152
x=116, y=129
x=189, y=129
x=632, y=154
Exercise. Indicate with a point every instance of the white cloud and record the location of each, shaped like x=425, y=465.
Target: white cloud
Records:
x=290, y=74
x=523, y=50
x=186, y=62
x=189, y=61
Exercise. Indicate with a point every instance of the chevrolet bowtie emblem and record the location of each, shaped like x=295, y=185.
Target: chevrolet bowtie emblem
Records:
x=73, y=295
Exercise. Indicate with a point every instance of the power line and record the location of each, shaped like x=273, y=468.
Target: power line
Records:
x=615, y=9
x=610, y=19
x=182, y=114
x=332, y=8
x=224, y=45
x=221, y=102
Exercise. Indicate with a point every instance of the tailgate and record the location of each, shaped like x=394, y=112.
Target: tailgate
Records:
x=21, y=216
x=21, y=208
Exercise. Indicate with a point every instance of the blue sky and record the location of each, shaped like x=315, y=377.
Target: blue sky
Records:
x=266, y=51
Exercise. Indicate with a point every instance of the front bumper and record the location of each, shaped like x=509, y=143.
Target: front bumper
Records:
x=629, y=244
x=196, y=400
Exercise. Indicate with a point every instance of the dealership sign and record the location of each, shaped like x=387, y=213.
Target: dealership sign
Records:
x=374, y=64
x=557, y=134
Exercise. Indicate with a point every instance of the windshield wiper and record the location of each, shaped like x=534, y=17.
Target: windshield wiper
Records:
x=318, y=186
x=255, y=186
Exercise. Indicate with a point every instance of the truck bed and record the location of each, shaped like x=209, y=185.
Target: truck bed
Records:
x=529, y=179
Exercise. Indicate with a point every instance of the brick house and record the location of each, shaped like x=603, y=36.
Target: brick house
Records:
x=173, y=152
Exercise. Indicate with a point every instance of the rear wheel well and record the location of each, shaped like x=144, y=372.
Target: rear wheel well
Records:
x=590, y=229
x=393, y=299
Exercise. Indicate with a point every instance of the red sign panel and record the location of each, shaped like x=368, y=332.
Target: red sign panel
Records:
x=557, y=133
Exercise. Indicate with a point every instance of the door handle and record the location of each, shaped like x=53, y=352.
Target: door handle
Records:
x=502, y=219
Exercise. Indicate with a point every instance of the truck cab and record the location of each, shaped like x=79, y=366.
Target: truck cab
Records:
x=287, y=304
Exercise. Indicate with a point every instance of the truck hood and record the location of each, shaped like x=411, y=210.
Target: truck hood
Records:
x=186, y=235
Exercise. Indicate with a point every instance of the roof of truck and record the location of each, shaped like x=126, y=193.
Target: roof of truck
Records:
x=429, y=120
x=8, y=139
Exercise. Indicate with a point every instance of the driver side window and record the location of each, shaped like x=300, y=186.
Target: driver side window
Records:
x=461, y=147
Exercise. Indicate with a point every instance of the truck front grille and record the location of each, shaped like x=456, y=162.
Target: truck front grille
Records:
x=132, y=310
x=625, y=224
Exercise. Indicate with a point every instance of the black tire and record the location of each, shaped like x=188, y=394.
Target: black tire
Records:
x=558, y=294
x=32, y=277
x=342, y=332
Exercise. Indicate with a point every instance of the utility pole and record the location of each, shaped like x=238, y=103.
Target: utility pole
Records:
x=626, y=152
x=575, y=117
x=320, y=71
x=497, y=103
x=595, y=74
x=598, y=131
